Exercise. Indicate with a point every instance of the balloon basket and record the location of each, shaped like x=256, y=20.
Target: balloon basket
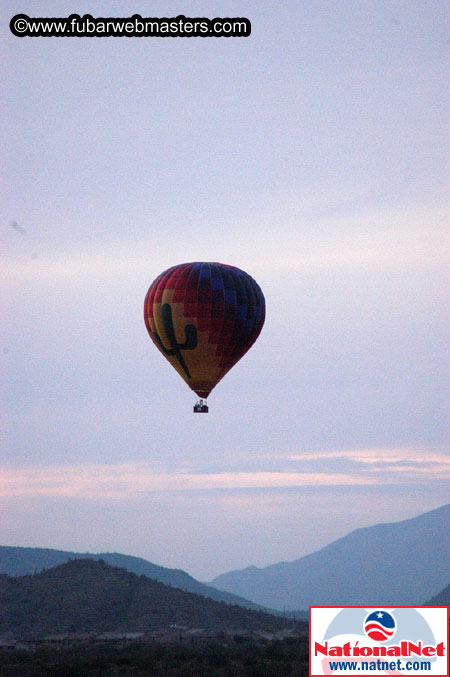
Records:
x=201, y=407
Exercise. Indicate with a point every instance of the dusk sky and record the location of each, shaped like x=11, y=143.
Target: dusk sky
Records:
x=311, y=154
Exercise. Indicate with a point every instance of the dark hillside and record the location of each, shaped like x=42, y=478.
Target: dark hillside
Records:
x=441, y=599
x=19, y=561
x=91, y=596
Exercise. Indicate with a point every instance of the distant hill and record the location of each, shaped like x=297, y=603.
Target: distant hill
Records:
x=17, y=561
x=91, y=596
x=441, y=599
x=388, y=564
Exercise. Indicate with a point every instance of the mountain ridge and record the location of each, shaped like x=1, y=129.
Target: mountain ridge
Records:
x=399, y=563
x=86, y=595
x=22, y=560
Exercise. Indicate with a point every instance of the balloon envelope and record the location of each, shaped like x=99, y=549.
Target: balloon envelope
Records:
x=203, y=317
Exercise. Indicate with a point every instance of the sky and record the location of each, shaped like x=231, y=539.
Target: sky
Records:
x=312, y=154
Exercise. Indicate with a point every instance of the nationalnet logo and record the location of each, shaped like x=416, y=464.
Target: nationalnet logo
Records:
x=378, y=641
x=380, y=626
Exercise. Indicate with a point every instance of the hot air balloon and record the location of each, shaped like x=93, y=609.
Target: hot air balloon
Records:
x=203, y=317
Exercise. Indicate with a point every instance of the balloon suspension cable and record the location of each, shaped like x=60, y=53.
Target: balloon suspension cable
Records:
x=201, y=407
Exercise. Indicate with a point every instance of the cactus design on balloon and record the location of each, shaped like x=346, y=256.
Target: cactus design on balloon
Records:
x=175, y=349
